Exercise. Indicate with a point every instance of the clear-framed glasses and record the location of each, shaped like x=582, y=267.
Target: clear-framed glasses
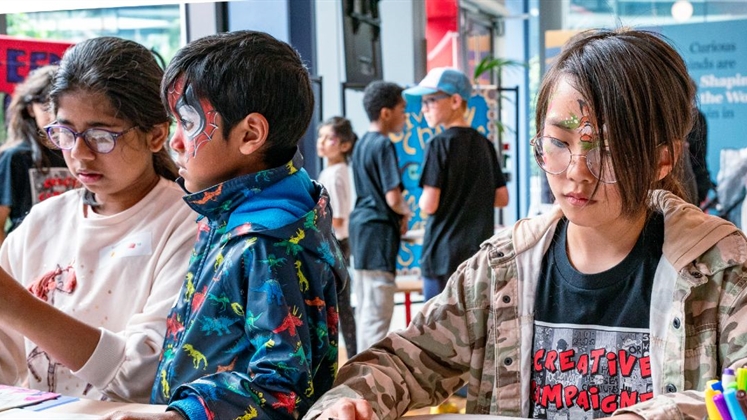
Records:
x=97, y=139
x=554, y=157
x=429, y=101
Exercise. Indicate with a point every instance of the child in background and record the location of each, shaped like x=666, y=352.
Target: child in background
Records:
x=380, y=215
x=623, y=300
x=26, y=164
x=335, y=143
x=103, y=263
x=253, y=333
x=460, y=218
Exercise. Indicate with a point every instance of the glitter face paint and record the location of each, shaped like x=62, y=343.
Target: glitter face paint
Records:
x=581, y=123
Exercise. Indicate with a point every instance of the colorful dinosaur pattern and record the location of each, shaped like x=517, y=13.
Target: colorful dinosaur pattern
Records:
x=258, y=304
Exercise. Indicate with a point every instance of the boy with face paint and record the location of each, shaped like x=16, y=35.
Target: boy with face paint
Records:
x=193, y=117
x=254, y=330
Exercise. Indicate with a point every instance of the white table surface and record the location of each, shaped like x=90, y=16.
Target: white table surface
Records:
x=102, y=408
x=82, y=409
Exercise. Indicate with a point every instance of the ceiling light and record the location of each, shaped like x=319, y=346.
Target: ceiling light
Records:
x=682, y=10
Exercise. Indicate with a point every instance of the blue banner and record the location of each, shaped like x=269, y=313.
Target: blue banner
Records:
x=716, y=57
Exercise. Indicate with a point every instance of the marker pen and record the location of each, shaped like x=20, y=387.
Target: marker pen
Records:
x=715, y=385
x=727, y=377
x=723, y=409
x=742, y=379
x=742, y=398
x=713, y=413
x=735, y=410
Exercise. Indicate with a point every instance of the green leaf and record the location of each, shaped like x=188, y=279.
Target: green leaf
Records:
x=490, y=63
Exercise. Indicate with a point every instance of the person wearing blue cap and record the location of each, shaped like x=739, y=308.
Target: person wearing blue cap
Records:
x=461, y=179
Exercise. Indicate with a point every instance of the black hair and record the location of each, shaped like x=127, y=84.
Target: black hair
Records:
x=22, y=126
x=128, y=75
x=343, y=129
x=638, y=88
x=244, y=72
x=379, y=95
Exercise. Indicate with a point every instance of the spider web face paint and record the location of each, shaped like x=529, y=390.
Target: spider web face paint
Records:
x=196, y=117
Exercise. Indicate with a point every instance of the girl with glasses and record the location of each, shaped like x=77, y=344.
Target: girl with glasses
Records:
x=89, y=277
x=29, y=171
x=624, y=300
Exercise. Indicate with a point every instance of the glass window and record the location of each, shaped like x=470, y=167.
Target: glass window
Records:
x=478, y=44
x=586, y=14
x=156, y=27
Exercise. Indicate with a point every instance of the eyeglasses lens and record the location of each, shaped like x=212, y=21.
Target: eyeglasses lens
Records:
x=554, y=157
x=100, y=141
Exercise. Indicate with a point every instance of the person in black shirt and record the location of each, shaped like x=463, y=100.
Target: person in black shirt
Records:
x=380, y=214
x=29, y=171
x=462, y=180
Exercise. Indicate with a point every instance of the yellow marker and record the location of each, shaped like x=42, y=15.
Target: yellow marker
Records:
x=713, y=413
x=742, y=379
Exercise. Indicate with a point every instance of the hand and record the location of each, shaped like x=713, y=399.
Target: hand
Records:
x=348, y=409
x=121, y=415
x=403, y=222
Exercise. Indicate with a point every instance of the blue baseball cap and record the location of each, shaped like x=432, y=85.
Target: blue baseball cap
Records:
x=442, y=79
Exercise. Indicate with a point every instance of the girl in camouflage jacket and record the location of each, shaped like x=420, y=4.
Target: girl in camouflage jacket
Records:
x=622, y=301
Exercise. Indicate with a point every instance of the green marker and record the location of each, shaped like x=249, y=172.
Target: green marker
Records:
x=742, y=378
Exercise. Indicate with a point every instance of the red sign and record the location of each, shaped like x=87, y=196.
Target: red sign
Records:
x=18, y=56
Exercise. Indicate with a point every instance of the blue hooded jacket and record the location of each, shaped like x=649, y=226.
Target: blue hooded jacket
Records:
x=254, y=330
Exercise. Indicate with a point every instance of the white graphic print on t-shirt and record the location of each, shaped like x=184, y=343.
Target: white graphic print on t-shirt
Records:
x=587, y=371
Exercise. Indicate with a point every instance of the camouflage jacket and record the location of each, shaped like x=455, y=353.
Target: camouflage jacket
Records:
x=479, y=330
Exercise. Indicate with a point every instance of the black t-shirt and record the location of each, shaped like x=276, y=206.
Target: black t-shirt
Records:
x=463, y=164
x=373, y=225
x=22, y=185
x=591, y=331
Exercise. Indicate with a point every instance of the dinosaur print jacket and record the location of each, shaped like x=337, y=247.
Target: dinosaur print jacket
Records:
x=253, y=333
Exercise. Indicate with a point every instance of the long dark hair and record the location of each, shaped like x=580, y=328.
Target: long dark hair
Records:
x=22, y=126
x=128, y=75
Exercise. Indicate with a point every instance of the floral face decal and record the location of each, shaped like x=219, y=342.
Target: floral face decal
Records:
x=570, y=113
x=582, y=124
x=196, y=117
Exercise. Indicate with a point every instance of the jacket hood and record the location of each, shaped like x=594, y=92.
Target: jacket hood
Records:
x=305, y=231
x=282, y=204
x=688, y=232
